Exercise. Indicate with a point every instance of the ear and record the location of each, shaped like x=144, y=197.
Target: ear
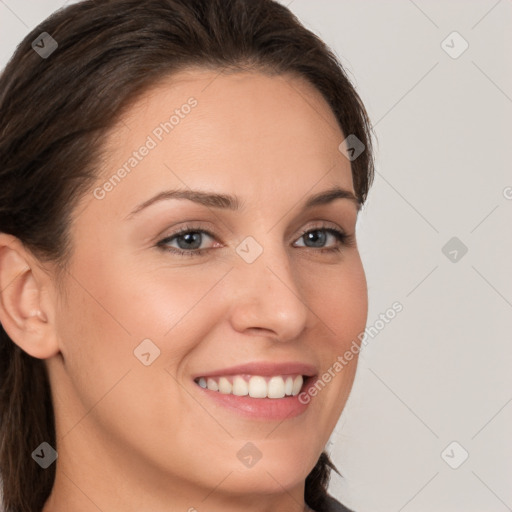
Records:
x=26, y=311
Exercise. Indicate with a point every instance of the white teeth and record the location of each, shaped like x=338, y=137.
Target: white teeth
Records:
x=212, y=384
x=240, y=387
x=297, y=384
x=288, y=386
x=256, y=386
x=225, y=386
x=276, y=387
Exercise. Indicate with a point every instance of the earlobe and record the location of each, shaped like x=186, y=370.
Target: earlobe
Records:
x=24, y=314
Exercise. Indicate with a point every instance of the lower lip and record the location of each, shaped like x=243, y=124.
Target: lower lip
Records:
x=262, y=408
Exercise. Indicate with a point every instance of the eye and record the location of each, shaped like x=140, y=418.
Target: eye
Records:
x=319, y=236
x=188, y=240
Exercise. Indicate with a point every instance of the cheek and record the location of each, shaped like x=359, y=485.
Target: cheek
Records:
x=100, y=326
x=340, y=298
x=95, y=341
x=353, y=300
x=342, y=304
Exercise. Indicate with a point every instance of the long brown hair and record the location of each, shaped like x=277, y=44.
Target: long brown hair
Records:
x=55, y=110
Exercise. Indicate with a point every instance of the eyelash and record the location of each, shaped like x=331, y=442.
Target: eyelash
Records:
x=343, y=239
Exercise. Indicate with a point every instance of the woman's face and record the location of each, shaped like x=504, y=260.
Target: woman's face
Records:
x=141, y=322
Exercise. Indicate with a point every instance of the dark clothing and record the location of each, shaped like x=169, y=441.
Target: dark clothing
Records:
x=336, y=506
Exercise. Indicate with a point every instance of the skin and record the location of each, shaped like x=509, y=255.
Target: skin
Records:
x=132, y=437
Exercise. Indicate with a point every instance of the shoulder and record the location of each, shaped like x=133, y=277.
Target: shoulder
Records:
x=334, y=505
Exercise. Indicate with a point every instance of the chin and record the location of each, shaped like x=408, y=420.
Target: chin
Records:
x=277, y=469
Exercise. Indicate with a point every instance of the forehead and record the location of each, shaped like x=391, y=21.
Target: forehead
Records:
x=246, y=131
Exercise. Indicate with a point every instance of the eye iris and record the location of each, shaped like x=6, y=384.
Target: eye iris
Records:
x=190, y=238
x=318, y=241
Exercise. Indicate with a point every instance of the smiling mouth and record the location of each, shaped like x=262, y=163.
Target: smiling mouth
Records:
x=255, y=386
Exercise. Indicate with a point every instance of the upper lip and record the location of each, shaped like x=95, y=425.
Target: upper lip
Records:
x=264, y=368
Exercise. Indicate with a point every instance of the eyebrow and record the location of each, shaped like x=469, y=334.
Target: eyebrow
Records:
x=231, y=202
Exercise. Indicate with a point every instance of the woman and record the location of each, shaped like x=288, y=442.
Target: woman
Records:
x=179, y=189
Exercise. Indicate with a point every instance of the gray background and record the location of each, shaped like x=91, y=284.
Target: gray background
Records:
x=438, y=372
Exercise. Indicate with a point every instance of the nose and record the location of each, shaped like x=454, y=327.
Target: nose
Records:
x=268, y=298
